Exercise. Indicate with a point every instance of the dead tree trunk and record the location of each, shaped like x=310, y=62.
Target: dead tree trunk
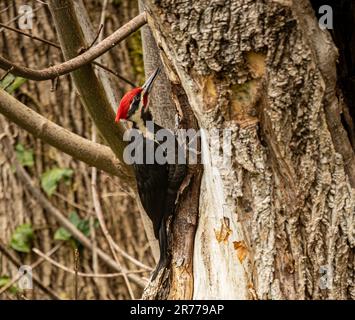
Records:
x=277, y=220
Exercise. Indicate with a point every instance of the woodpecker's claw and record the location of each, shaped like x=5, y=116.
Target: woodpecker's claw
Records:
x=147, y=87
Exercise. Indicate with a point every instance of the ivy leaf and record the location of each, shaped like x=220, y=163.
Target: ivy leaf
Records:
x=4, y=280
x=82, y=224
x=62, y=234
x=84, y=227
x=24, y=156
x=74, y=219
x=51, y=178
x=12, y=83
x=21, y=239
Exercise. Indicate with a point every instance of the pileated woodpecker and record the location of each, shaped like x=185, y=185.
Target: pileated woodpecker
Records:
x=157, y=183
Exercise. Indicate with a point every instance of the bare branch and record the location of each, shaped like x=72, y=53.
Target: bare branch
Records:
x=5, y=9
x=96, y=37
x=6, y=74
x=109, y=237
x=79, y=61
x=55, y=45
x=93, y=154
x=99, y=214
x=76, y=268
x=29, y=35
x=82, y=274
x=100, y=65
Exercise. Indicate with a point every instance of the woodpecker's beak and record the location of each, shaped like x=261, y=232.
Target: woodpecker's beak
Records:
x=147, y=87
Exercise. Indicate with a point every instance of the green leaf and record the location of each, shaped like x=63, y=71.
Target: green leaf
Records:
x=21, y=239
x=51, y=178
x=12, y=83
x=24, y=156
x=62, y=234
x=82, y=224
x=74, y=219
x=84, y=227
x=4, y=280
x=16, y=85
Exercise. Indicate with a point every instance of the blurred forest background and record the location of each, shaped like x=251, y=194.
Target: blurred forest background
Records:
x=24, y=224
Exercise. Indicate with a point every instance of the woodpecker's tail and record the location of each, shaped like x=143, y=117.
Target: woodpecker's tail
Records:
x=163, y=245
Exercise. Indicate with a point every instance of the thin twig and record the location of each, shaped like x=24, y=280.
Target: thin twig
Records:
x=72, y=203
x=96, y=37
x=114, y=73
x=95, y=263
x=92, y=227
x=29, y=35
x=81, y=60
x=5, y=9
x=113, y=194
x=6, y=74
x=76, y=269
x=121, y=251
x=102, y=22
x=103, y=18
x=99, y=214
x=55, y=45
x=33, y=266
x=82, y=274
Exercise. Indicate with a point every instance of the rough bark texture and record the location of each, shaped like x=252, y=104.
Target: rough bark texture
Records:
x=278, y=219
x=63, y=107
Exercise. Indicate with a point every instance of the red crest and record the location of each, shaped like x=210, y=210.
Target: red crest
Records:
x=125, y=103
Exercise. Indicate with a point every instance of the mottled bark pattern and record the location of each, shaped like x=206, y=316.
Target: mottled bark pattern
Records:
x=278, y=222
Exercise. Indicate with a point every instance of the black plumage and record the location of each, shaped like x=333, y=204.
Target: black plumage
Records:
x=158, y=185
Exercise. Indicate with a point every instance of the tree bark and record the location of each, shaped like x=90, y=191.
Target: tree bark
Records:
x=277, y=220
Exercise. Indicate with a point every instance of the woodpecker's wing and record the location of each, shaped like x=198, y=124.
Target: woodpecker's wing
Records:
x=152, y=183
